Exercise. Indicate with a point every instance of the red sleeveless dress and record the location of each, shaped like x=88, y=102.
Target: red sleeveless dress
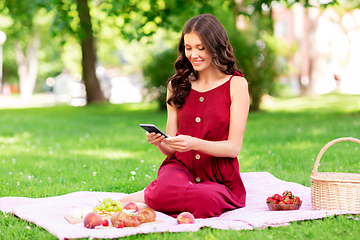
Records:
x=193, y=181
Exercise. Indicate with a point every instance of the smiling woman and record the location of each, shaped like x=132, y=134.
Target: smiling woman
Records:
x=208, y=104
x=196, y=53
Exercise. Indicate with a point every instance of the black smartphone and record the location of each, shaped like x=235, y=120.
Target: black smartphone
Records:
x=152, y=128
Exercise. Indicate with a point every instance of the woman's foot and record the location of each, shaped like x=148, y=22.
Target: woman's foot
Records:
x=137, y=197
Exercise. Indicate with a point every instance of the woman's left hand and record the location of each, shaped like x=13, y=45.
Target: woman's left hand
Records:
x=181, y=143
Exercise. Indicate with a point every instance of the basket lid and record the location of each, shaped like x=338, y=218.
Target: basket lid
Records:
x=336, y=177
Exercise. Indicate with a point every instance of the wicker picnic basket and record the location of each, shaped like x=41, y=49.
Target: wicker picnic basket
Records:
x=334, y=190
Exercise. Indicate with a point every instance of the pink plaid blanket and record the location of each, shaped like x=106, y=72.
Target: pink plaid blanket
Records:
x=49, y=213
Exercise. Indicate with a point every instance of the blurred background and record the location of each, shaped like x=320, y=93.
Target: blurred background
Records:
x=80, y=52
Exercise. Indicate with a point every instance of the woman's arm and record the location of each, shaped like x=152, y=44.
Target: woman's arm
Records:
x=171, y=129
x=238, y=116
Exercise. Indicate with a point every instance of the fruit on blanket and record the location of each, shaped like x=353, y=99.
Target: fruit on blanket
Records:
x=271, y=200
x=128, y=220
x=116, y=216
x=296, y=199
x=146, y=215
x=277, y=197
x=92, y=220
x=105, y=223
x=288, y=193
x=185, y=217
x=119, y=224
x=131, y=206
x=287, y=198
x=108, y=205
x=286, y=201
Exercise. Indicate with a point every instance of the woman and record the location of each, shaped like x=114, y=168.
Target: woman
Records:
x=208, y=105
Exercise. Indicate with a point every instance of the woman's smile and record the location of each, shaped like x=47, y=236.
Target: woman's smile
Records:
x=197, y=62
x=195, y=51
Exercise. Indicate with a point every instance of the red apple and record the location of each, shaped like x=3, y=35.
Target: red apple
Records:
x=185, y=217
x=92, y=220
x=131, y=206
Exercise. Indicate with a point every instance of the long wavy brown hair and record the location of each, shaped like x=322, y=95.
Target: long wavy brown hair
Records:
x=215, y=41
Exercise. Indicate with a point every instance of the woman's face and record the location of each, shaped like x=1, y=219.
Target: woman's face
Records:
x=195, y=51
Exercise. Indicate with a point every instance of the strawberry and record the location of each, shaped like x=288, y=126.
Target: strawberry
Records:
x=282, y=202
x=287, y=193
x=296, y=199
x=105, y=223
x=270, y=200
x=119, y=224
x=277, y=197
x=287, y=200
x=276, y=201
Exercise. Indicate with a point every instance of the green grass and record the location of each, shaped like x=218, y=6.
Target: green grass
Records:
x=57, y=150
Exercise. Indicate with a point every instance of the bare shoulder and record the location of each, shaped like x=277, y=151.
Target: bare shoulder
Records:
x=239, y=81
x=238, y=85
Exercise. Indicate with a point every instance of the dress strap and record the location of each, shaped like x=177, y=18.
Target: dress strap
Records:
x=236, y=73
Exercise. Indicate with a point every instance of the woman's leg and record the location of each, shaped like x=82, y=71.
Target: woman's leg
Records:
x=209, y=199
x=133, y=197
x=136, y=197
x=167, y=192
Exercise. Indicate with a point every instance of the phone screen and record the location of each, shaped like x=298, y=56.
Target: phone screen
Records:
x=152, y=128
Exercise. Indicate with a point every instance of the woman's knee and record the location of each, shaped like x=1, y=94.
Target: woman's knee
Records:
x=203, y=204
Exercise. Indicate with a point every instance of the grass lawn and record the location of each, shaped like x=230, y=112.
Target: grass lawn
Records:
x=57, y=150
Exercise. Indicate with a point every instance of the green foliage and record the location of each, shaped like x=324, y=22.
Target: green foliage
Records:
x=262, y=58
x=9, y=63
x=25, y=21
x=157, y=72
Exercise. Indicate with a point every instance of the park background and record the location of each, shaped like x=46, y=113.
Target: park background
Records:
x=102, y=50
x=69, y=117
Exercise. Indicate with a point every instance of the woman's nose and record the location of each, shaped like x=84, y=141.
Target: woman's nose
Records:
x=194, y=53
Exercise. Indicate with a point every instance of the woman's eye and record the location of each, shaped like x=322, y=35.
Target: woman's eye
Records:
x=188, y=49
x=202, y=48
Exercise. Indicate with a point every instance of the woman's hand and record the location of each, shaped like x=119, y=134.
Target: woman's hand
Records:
x=154, y=138
x=181, y=143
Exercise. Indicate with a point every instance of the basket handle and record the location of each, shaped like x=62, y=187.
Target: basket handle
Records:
x=316, y=165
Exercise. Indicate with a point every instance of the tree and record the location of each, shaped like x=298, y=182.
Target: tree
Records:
x=26, y=35
x=73, y=17
x=93, y=91
x=136, y=19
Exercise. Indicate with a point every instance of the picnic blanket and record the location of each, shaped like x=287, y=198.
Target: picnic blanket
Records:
x=49, y=213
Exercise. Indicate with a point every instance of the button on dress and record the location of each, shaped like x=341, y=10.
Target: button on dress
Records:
x=193, y=181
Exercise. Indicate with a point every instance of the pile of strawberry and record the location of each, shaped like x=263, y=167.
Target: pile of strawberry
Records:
x=286, y=198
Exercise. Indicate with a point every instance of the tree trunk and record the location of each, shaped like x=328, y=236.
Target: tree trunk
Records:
x=307, y=50
x=93, y=90
x=304, y=77
x=27, y=67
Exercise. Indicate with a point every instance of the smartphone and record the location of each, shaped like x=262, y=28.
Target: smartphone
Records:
x=152, y=128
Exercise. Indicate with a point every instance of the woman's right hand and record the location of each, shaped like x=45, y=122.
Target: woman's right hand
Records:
x=154, y=138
